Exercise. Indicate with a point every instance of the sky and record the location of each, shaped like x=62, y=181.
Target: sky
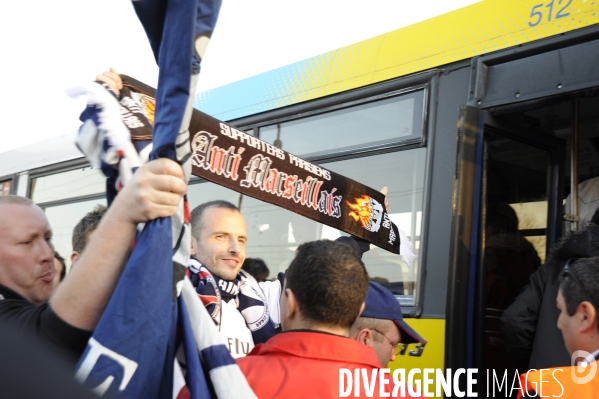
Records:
x=49, y=46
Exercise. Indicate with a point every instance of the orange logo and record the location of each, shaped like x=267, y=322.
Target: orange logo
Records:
x=150, y=107
x=361, y=210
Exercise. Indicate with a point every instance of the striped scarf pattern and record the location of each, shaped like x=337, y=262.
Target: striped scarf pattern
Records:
x=251, y=300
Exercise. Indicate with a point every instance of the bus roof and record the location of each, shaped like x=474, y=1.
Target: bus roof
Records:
x=480, y=28
x=43, y=153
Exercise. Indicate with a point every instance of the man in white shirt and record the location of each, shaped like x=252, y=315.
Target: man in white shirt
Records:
x=245, y=311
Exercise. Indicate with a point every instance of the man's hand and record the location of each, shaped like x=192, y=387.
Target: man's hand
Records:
x=153, y=192
x=385, y=190
x=112, y=79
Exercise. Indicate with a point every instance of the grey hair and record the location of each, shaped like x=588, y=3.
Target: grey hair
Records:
x=361, y=323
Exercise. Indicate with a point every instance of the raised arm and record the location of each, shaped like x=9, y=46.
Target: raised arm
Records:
x=154, y=191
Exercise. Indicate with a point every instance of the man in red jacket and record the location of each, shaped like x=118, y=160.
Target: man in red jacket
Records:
x=324, y=292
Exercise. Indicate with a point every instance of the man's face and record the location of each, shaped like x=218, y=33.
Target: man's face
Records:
x=220, y=246
x=385, y=349
x=26, y=252
x=566, y=324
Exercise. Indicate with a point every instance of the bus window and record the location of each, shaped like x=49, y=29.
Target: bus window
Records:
x=204, y=191
x=74, y=183
x=63, y=219
x=274, y=233
x=532, y=222
x=378, y=122
x=5, y=187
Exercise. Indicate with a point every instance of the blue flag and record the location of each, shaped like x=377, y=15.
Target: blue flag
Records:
x=132, y=353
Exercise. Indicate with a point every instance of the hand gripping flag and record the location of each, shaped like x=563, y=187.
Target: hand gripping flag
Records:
x=132, y=353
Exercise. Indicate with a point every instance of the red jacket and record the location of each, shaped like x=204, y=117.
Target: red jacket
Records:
x=305, y=364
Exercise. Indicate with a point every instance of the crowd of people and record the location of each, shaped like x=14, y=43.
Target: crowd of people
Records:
x=323, y=312
x=321, y=315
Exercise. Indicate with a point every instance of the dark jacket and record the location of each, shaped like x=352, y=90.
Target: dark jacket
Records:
x=530, y=323
x=67, y=341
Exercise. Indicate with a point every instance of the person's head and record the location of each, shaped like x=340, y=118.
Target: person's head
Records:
x=381, y=325
x=26, y=250
x=60, y=269
x=218, y=238
x=257, y=268
x=84, y=230
x=501, y=220
x=325, y=286
x=578, y=302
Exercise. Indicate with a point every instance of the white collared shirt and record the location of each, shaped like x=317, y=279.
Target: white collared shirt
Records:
x=234, y=330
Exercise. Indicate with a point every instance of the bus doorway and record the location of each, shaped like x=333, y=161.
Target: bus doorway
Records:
x=522, y=171
x=532, y=160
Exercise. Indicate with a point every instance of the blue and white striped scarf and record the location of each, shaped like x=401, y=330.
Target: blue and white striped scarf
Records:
x=251, y=301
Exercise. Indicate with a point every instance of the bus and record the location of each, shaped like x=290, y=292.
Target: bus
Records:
x=481, y=122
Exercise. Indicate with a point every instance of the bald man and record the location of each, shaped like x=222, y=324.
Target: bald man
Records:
x=26, y=258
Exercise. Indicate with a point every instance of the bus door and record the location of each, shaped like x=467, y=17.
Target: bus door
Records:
x=520, y=212
x=519, y=167
x=527, y=139
x=507, y=214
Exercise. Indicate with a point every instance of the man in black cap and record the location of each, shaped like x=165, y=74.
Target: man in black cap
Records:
x=381, y=325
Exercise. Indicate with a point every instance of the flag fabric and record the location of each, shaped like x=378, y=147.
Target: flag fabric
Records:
x=133, y=350
x=224, y=374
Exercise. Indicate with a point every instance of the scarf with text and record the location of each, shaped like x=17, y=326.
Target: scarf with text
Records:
x=244, y=163
x=251, y=301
